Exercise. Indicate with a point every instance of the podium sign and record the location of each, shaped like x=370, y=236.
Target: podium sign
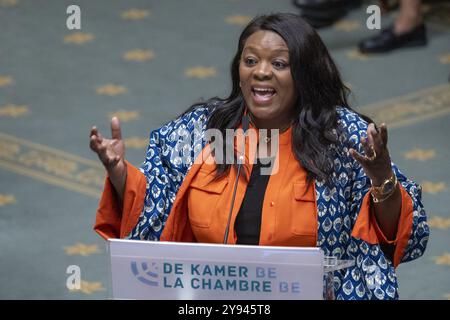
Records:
x=169, y=270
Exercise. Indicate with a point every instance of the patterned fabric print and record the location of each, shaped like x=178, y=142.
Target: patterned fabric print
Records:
x=418, y=240
x=171, y=152
x=372, y=277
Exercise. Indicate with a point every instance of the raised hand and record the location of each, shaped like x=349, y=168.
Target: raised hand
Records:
x=376, y=162
x=111, y=153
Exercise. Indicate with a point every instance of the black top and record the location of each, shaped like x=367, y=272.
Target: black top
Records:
x=248, y=220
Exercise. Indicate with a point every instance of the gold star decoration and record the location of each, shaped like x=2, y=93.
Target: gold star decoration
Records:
x=12, y=110
x=135, y=14
x=433, y=187
x=124, y=115
x=5, y=80
x=138, y=55
x=135, y=142
x=78, y=38
x=8, y=3
x=420, y=154
x=89, y=287
x=443, y=259
x=200, y=72
x=445, y=59
x=7, y=199
x=347, y=25
x=111, y=90
x=238, y=19
x=356, y=55
x=81, y=249
x=439, y=222
x=8, y=149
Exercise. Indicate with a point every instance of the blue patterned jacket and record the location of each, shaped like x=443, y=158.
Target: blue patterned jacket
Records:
x=169, y=159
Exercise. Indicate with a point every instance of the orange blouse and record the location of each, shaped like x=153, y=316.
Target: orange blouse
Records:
x=200, y=210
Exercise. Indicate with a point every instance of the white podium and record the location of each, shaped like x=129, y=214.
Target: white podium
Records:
x=192, y=271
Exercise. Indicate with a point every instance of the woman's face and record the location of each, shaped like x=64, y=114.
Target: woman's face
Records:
x=266, y=80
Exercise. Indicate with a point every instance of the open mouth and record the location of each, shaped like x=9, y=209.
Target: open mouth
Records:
x=263, y=94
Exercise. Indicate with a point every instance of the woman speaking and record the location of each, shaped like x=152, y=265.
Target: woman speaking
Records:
x=334, y=186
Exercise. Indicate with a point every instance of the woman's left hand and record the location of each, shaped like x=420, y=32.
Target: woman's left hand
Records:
x=376, y=162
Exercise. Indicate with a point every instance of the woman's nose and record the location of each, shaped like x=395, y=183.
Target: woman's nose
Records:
x=263, y=71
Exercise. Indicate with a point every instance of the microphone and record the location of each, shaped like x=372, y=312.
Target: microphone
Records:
x=245, y=124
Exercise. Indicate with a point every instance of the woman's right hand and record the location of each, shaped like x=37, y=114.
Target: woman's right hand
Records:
x=112, y=154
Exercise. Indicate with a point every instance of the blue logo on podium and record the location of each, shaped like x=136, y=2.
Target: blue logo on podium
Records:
x=143, y=274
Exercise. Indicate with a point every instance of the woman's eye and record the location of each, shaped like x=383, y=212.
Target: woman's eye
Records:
x=250, y=61
x=280, y=64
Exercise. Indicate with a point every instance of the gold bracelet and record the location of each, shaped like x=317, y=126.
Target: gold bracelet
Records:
x=378, y=200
